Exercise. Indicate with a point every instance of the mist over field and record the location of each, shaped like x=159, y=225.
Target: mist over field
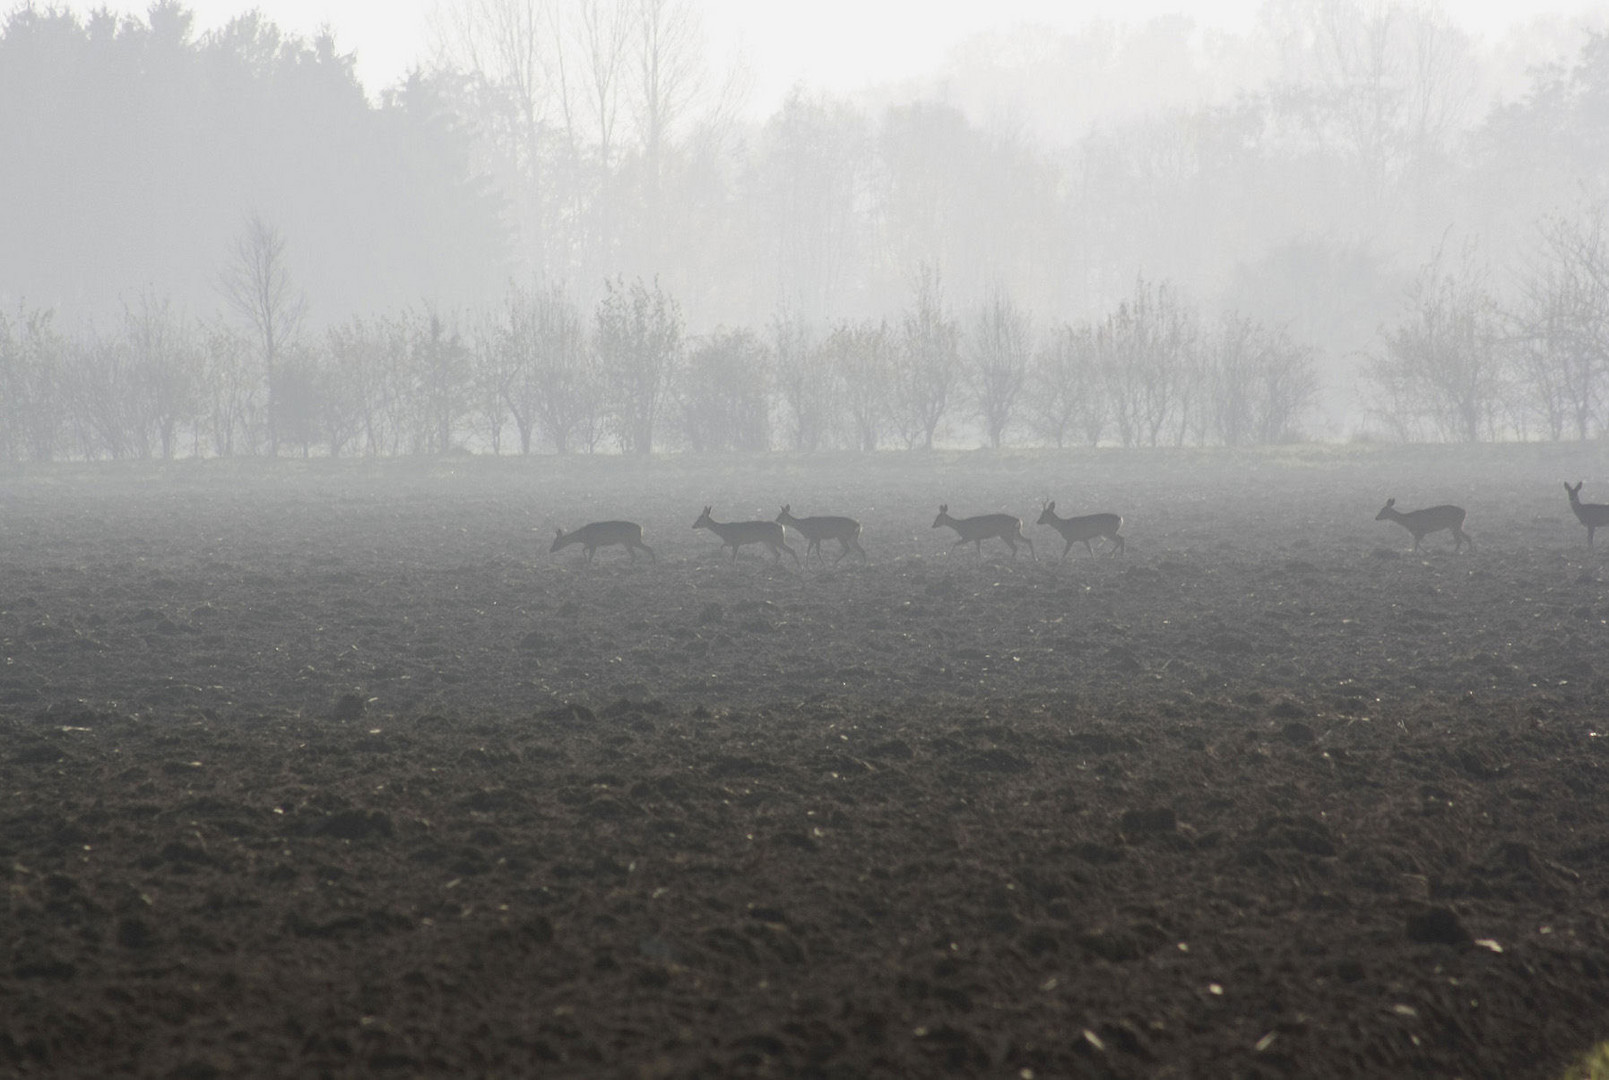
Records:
x=1082, y=562
x=346, y=772
x=1348, y=220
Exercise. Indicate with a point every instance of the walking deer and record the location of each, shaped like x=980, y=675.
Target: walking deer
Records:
x=735, y=534
x=816, y=529
x=1086, y=528
x=1431, y=519
x=975, y=530
x=628, y=534
x=1592, y=515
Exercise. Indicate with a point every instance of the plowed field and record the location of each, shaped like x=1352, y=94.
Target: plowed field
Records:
x=330, y=768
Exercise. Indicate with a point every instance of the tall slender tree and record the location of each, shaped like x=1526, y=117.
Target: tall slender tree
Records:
x=998, y=350
x=256, y=284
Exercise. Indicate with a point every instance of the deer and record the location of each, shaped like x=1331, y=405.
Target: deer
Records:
x=1592, y=515
x=735, y=534
x=1431, y=519
x=816, y=529
x=1086, y=528
x=975, y=530
x=628, y=534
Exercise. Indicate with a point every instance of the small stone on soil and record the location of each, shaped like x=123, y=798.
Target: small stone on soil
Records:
x=1437, y=926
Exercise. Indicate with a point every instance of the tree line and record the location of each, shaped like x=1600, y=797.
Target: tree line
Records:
x=536, y=374
x=1472, y=359
x=1187, y=273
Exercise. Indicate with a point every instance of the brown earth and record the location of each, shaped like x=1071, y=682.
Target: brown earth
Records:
x=331, y=769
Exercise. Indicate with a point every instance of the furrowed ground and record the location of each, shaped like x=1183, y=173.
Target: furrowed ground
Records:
x=330, y=768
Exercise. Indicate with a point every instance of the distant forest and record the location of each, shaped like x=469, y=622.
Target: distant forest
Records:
x=563, y=232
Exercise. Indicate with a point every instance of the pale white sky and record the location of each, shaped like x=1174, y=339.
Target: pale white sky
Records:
x=839, y=45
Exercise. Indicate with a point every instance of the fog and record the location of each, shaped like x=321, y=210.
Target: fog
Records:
x=413, y=654
x=569, y=229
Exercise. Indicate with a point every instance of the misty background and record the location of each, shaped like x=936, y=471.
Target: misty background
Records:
x=569, y=229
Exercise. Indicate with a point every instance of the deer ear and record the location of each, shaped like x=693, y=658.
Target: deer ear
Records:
x=1390, y=503
x=558, y=532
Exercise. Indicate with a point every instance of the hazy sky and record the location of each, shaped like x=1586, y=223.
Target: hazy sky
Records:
x=839, y=45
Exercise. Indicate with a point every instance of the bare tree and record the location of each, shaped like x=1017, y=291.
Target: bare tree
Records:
x=1384, y=86
x=552, y=387
x=863, y=358
x=341, y=380
x=371, y=375
x=1259, y=382
x=1233, y=358
x=33, y=407
x=167, y=362
x=1144, y=348
x=256, y=284
x=232, y=405
x=1561, y=326
x=603, y=32
x=299, y=400
x=803, y=383
x=639, y=345
x=813, y=165
x=440, y=362
x=502, y=43
x=511, y=346
x=929, y=363
x=667, y=52
x=95, y=385
x=490, y=379
x=1442, y=363
x=524, y=92
x=724, y=394
x=998, y=351
x=1290, y=385
x=1067, y=399
x=132, y=391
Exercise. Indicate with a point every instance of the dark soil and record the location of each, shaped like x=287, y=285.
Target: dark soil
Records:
x=331, y=769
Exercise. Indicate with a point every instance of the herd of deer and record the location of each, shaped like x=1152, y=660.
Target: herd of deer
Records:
x=975, y=530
